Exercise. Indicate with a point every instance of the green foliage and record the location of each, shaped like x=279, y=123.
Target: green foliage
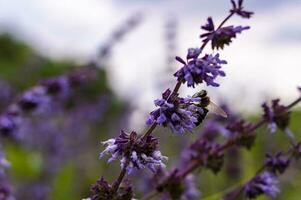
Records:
x=63, y=187
x=25, y=164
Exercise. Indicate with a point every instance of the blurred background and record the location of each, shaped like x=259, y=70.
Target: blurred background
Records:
x=125, y=49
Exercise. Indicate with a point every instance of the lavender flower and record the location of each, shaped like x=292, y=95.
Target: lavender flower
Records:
x=134, y=151
x=41, y=97
x=34, y=99
x=56, y=85
x=265, y=183
x=10, y=120
x=213, y=128
x=238, y=9
x=179, y=114
x=221, y=36
x=102, y=190
x=5, y=192
x=239, y=130
x=277, y=116
x=191, y=192
x=206, y=152
x=277, y=163
x=199, y=70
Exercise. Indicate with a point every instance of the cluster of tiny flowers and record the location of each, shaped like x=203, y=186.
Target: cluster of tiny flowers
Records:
x=102, y=190
x=264, y=183
x=134, y=151
x=182, y=189
x=191, y=191
x=174, y=188
x=207, y=152
x=39, y=98
x=239, y=131
x=221, y=36
x=277, y=163
x=276, y=115
x=198, y=70
x=34, y=99
x=179, y=114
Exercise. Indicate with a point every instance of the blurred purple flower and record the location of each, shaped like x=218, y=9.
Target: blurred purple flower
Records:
x=191, y=191
x=277, y=163
x=277, y=116
x=127, y=26
x=56, y=85
x=239, y=131
x=10, y=120
x=34, y=99
x=206, y=152
x=265, y=183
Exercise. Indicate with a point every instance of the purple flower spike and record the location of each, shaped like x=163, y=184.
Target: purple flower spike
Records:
x=179, y=114
x=199, y=70
x=265, y=183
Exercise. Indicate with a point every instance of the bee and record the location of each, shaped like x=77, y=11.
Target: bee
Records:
x=209, y=105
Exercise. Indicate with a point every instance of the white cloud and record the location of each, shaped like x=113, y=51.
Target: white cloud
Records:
x=258, y=64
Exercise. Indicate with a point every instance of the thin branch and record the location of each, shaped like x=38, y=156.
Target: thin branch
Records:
x=183, y=173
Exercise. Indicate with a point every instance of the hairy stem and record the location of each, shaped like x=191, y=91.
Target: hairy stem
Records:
x=120, y=177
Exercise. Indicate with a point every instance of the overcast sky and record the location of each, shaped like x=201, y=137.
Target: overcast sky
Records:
x=264, y=62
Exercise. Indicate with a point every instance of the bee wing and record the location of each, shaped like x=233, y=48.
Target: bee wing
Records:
x=216, y=109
